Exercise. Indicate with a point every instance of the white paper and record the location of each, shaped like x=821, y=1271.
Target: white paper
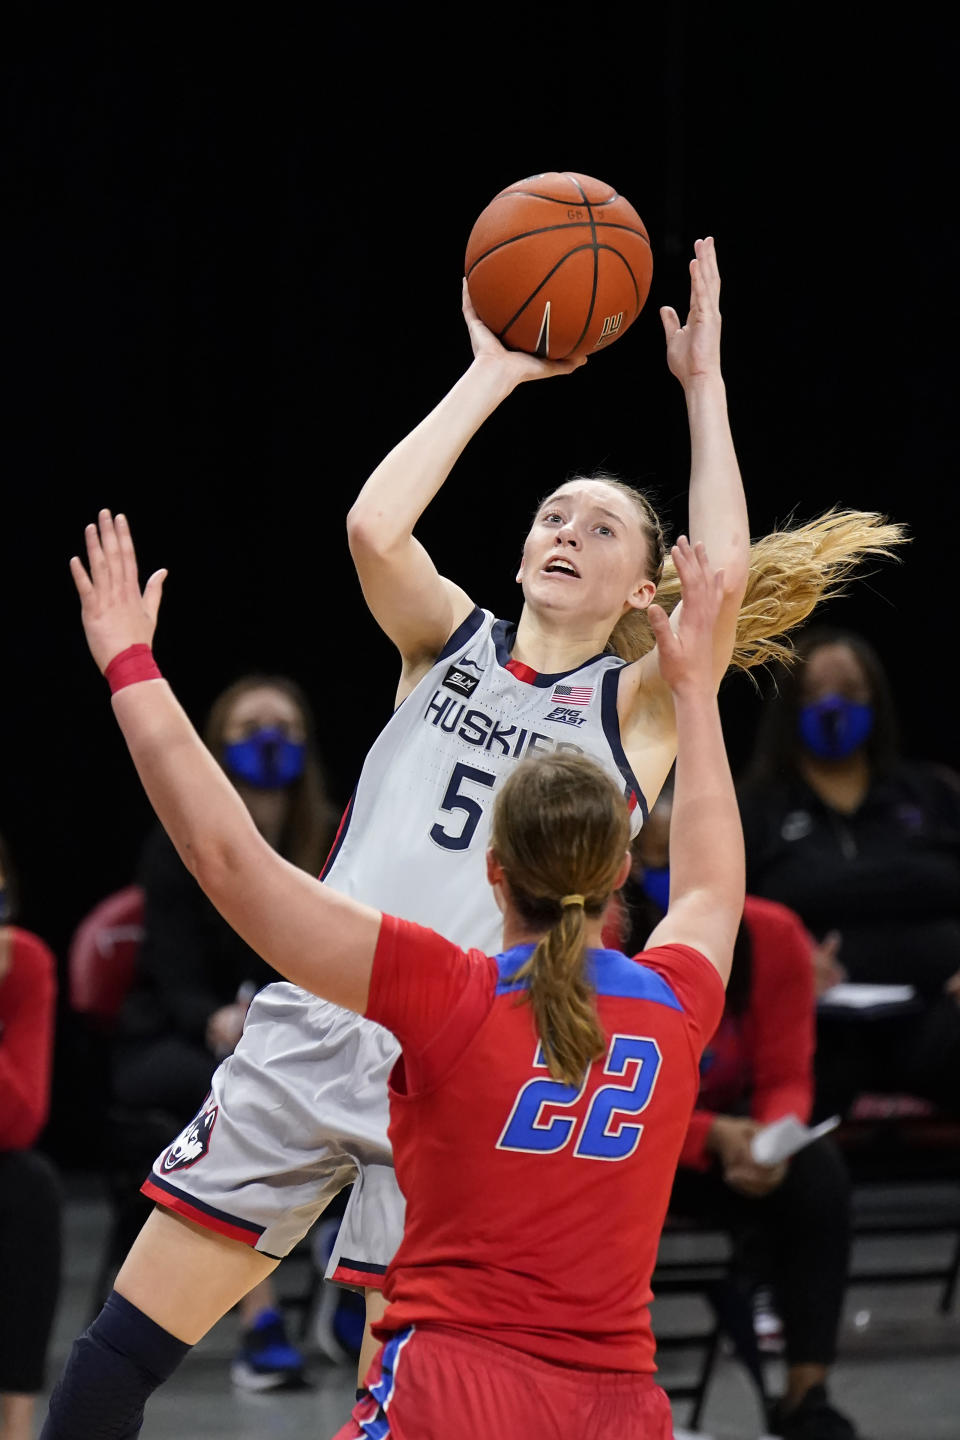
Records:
x=784, y=1137
x=849, y=996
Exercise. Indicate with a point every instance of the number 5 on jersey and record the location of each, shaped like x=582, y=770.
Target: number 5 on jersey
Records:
x=457, y=798
x=606, y=1133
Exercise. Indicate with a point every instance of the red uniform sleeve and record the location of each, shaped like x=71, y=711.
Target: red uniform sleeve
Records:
x=694, y=1153
x=431, y=994
x=783, y=1010
x=27, y=1009
x=696, y=984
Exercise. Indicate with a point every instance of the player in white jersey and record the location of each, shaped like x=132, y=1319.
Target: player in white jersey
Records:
x=430, y=773
x=300, y=1109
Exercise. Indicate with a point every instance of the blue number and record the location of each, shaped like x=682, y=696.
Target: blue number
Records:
x=526, y=1129
x=453, y=800
x=605, y=1134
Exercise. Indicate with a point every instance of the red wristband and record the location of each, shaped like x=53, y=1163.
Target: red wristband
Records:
x=130, y=666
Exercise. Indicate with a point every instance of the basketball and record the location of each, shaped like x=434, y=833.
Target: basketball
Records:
x=558, y=265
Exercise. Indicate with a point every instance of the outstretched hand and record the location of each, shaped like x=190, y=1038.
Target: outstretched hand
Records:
x=686, y=655
x=517, y=365
x=114, y=612
x=694, y=349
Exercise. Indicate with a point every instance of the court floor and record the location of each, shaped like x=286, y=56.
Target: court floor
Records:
x=898, y=1376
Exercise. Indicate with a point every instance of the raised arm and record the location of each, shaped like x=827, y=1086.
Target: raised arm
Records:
x=412, y=602
x=717, y=506
x=315, y=937
x=706, y=841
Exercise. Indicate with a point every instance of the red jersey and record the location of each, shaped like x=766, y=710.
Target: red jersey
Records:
x=766, y=1052
x=28, y=995
x=534, y=1208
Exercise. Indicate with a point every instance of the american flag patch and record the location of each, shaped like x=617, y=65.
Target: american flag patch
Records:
x=571, y=695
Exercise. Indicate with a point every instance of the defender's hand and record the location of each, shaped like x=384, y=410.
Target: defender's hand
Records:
x=685, y=655
x=114, y=612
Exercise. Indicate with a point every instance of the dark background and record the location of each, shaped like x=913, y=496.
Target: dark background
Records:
x=231, y=265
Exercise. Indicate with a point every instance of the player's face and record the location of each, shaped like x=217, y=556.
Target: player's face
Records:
x=587, y=554
x=834, y=670
x=264, y=708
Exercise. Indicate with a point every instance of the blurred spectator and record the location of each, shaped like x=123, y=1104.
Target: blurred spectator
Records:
x=865, y=845
x=30, y=1202
x=196, y=977
x=792, y=1219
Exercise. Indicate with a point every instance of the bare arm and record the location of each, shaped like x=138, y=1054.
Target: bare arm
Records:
x=306, y=931
x=413, y=604
x=707, y=865
x=717, y=505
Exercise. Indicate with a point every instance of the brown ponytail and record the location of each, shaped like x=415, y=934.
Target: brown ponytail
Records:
x=561, y=829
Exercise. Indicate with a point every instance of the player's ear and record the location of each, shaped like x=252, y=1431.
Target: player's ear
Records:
x=494, y=868
x=643, y=594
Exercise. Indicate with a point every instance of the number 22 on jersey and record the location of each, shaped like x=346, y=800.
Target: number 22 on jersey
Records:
x=538, y=1126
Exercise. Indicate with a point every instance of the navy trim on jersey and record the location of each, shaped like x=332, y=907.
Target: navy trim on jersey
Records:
x=210, y=1210
x=464, y=632
x=504, y=634
x=609, y=972
x=341, y=835
x=611, y=728
x=344, y=1264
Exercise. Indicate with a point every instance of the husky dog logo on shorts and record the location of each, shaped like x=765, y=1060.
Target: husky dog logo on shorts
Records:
x=191, y=1144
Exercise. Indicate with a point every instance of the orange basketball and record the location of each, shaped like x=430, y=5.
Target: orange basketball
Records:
x=558, y=265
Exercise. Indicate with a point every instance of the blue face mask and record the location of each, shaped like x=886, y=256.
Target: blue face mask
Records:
x=834, y=727
x=656, y=884
x=266, y=759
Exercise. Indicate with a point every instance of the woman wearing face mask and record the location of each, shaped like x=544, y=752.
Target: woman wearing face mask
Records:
x=758, y=1067
x=865, y=846
x=196, y=977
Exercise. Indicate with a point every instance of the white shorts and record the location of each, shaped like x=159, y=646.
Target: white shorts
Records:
x=297, y=1112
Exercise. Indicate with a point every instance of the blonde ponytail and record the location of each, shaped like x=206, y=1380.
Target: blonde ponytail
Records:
x=791, y=572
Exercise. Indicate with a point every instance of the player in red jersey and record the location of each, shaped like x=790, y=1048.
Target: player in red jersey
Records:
x=542, y=1096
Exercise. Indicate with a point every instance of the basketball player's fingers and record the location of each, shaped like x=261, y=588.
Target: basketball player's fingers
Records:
x=671, y=321
x=111, y=547
x=80, y=578
x=153, y=593
x=709, y=266
x=684, y=559
x=127, y=553
x=466, y=302
x=96, y=563
x=660, y=625
x=664, y=638
x=702, y=560
x=698, y=289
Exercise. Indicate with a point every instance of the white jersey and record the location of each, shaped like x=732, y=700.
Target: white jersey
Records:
x=414, y=837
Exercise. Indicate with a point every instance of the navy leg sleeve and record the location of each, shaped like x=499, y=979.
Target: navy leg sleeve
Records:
x=112, y=1370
